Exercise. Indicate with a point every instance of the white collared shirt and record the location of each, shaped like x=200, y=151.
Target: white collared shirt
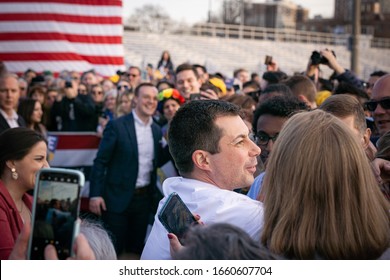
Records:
x=145, y=145
x=13, y=120
x=214, y=205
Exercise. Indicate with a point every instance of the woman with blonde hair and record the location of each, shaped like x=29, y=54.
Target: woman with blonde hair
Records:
x=322, y=200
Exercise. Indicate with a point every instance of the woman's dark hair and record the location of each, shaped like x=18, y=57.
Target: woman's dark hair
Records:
x=16, y=143
x=26, y=108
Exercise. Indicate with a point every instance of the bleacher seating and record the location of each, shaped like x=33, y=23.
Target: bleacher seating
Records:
x=224, y=55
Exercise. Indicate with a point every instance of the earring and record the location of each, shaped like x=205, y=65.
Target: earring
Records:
x=15, y=175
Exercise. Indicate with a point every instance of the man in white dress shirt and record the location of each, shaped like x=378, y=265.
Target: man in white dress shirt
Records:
x=212, y=150
x=123, y=177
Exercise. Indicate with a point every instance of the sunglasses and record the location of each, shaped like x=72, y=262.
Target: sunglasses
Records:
x=262, y=138
x=372, y=104
x=122, y=86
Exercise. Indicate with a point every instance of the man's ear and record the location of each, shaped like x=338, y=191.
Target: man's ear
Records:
x=201, y=159
x=366, y=138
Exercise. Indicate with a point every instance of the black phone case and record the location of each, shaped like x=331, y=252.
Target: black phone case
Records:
x=185, y=216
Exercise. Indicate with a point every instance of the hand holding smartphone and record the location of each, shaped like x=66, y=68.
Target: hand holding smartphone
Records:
x=55, y=211
x=176, y=217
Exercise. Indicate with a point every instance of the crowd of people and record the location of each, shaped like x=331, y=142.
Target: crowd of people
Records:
x=277, y=166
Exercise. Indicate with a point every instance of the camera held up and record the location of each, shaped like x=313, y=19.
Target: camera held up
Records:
x=317, y=58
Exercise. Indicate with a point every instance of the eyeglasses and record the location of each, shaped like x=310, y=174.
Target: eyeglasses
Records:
x=97, y=92
x=262, y=138
x=372, y=104
x=122, y=86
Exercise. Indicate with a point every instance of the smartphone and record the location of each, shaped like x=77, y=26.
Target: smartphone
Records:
x=176, y=217
x=236, y=88
x=55, y=211
x=195, y=96
x=268, y=60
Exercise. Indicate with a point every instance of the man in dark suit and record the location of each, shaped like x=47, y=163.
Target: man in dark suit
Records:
x=123, y=178
x=9, y=98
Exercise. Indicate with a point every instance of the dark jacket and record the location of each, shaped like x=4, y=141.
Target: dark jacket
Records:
x=115, y=168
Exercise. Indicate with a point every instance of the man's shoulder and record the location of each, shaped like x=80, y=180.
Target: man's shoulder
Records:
x=126, y=119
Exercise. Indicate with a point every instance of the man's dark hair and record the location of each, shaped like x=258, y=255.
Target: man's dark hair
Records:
x=277, y=88
x=347, y=88
x=279, y=106
x=186, y=66
x=137, y=68
x=378, y=73
x=274, y=77
x=137, y=89
x=200, y=66
x=344, y=105
x=193, y=128
x=170, y=85
x=251, y=84
x=302, y=85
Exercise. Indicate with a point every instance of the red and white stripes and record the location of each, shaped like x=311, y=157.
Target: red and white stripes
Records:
x=62, y=35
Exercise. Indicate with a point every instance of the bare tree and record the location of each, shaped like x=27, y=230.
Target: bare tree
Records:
x=231, y=11
x=151, y=18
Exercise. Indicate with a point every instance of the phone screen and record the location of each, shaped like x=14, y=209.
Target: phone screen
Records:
x=195, y=96
x=175, y=216
x=56, y=209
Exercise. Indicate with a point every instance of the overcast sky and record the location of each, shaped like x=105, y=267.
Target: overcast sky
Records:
x=197, y=10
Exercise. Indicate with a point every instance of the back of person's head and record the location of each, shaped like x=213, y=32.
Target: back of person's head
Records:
x=220, y=241
x=16, y=143
x=302, y=85
x=321, y=197
x=244, y=101
x=345, y=105
x=98, y=239
x=274, y=77
x=347, y=88
x=378, y=73
x=279, y=106
x=193, y=128
x=274, y=90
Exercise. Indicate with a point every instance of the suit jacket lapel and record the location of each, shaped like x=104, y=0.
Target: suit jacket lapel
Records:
x=130, y=129
x=3, y=123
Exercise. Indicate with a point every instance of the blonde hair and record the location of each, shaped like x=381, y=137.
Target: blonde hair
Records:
x=321, y=197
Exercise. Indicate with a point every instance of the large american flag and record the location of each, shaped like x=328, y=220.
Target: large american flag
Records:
x=61, y=35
